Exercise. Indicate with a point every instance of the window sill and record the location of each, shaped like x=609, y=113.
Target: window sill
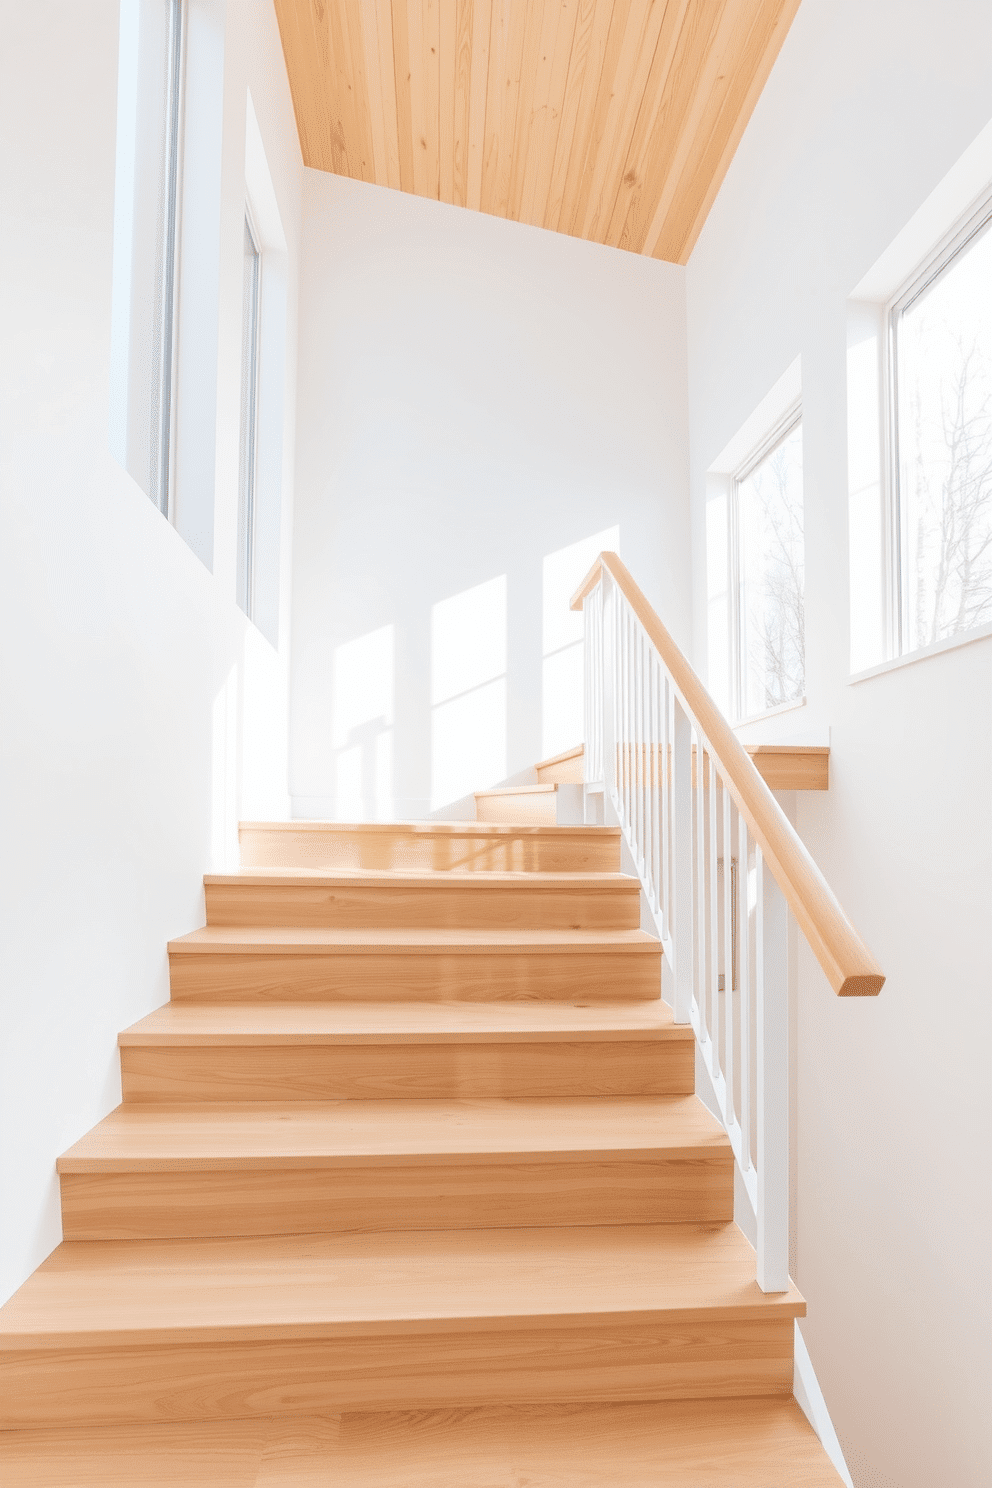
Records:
x=770, y=713
x=952, y=643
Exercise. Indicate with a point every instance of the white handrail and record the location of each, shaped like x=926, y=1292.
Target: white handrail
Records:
x=702, y=827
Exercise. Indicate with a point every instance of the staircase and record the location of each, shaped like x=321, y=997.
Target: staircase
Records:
x=553, y=796
x=408, y=1187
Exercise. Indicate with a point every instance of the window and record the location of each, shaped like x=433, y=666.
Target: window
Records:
x=250, y=318
x=767, y=611
x=146, y=238
x=940, y=410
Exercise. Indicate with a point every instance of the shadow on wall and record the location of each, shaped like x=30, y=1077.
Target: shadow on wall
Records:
x=470, y=692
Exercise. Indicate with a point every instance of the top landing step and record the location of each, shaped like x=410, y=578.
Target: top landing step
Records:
x=432, y=846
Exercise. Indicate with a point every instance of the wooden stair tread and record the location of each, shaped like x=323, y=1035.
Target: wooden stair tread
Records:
x=184, y=1138
x=310, y=940
x=519, y=790
x=436, y=828
x=755, y=1443
x=482, y=882
x=179, y=1024
x=135, y=1291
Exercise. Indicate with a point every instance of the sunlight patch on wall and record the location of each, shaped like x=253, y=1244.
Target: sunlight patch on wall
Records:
x=562, y=720
x=362, y=734
x=468, y=691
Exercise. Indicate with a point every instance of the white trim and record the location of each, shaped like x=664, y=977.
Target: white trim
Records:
x=809, y=1398
x=940, y=259
x=774, y=406
x=952, y=201
x=949, y=643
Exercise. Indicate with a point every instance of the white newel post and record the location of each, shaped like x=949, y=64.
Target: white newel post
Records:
x=772, y=992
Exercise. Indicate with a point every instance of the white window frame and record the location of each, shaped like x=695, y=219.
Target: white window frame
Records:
x=164, y=390
x=780, y=430
x=248, y=457
x=932, y=267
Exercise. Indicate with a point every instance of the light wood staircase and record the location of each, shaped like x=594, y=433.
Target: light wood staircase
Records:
x=408, y=1187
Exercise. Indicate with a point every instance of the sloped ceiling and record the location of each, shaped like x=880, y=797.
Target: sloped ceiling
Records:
x=612, y=120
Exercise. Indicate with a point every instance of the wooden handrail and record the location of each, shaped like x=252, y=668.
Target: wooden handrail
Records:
x=850, y=968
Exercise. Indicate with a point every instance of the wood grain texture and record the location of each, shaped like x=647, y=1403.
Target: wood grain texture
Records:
x=348, y=1133
x=386, y=1023
x=607, y=1360
x=278, y=963
x=131, y=1292
x=206, y=1203
x=369, y=1192
x=695, y=1444
x=160, y=1172
x=613, y=120
x=791, y=766
x=849, y=966
x=429, y=901
x=307, y=1072
x=327, y=1051
x=430, y=847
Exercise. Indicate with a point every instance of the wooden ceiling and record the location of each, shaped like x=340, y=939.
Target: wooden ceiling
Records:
x=612, y=120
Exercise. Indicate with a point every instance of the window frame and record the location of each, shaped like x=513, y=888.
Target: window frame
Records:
x=164, y=389
x=895, y=597
x=790, y=420
x=251, y=348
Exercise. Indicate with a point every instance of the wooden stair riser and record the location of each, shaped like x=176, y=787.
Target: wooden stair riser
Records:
x=436, y=905
x=540, y=808
x=280, y=1072
x=334, y=850
x=502, y=1193
x=608, y=1359
x=442, y=976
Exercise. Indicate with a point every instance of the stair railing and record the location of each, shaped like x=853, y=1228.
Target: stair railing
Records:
x=720, y=865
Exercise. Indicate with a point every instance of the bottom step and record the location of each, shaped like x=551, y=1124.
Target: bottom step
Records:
x=692, y=1444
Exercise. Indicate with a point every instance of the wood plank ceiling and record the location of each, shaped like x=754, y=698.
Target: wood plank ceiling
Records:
x=612, y=120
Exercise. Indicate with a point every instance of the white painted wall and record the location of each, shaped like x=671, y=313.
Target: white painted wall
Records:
x=139, y=713
x=475, y=397
x=868, y=107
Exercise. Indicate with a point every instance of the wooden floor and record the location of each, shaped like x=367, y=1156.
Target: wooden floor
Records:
x=409, y=1186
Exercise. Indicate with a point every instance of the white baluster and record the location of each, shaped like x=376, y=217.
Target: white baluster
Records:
x=664, y=731
x=609, y=688
x=682, y=862
x=653, y=731
x=638, y=828
x=700, y=881
x=772, y=997
x=730, y=954
x=744, y=982
x=714, y=908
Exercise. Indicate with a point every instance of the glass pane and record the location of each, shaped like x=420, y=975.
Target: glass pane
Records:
x=770, y=531
x=944, y=372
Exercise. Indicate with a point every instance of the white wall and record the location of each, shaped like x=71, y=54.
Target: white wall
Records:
x=475, y=396
x=867, y=108
x=140, y=713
